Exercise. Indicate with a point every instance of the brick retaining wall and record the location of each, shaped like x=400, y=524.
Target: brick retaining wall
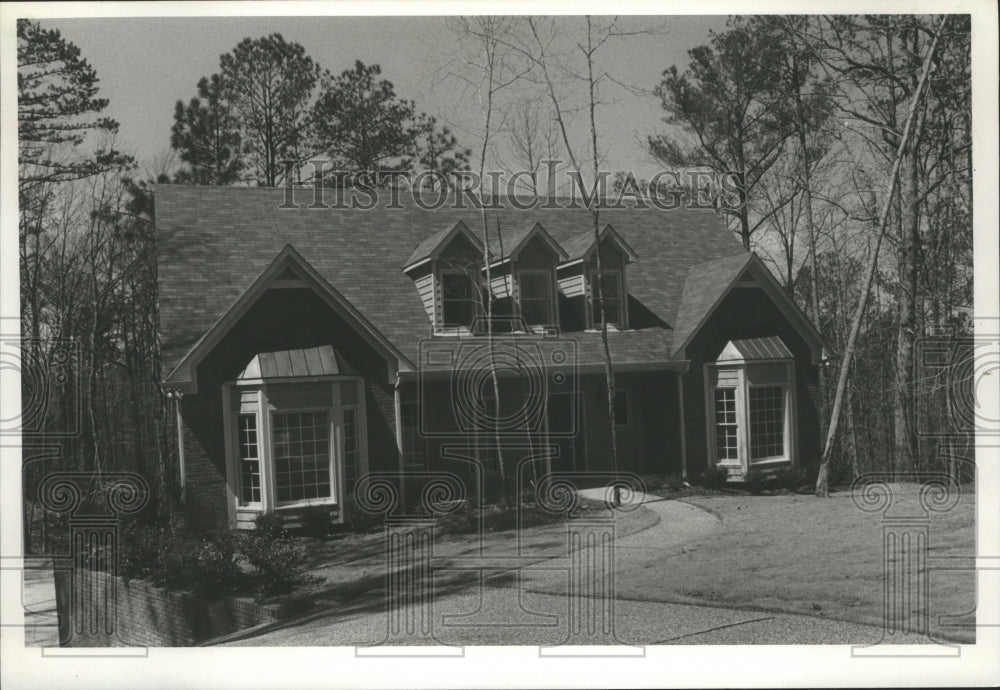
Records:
x=98, y=610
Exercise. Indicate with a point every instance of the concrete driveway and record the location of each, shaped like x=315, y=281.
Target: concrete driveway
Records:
x=531, y=606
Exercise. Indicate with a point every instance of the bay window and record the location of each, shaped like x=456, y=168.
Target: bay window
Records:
x=292, y=442
x=750, y=406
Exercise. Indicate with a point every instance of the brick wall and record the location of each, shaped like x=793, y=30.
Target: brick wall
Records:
x=98, y=610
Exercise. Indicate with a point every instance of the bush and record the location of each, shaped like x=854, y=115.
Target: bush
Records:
x=277, y=561
x=714, y=477
x=316, y=521
x=216, y=567
x=793, y=478
x=756, y=482
x=359, y=520
x=167, y=557
x=139, y=550
x=663, y=483
x=270, y=525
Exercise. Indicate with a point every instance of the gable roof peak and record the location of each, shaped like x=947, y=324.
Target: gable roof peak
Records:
x=507, y=246
x=431, y=247
x=581, y=246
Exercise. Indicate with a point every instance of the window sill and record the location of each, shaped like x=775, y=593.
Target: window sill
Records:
x=306, y=504
x=770, y=461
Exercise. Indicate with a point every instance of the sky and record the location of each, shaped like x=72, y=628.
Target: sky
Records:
x=146, y=64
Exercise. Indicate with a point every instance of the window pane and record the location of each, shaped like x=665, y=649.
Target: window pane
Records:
x=767, y=422
x=621, y=408
x=249, y=459
x=457, y=286
x=726, y=426
x=536, y=312
x=534, y=286
x=611, y=293
x=458, y=312
x=302, y=467
x=459, y=299
x=610, y=286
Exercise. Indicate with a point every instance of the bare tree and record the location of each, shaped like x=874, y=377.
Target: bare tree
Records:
x=596, y=37
x=913, y=120
x=533, y=139
x=491, y=35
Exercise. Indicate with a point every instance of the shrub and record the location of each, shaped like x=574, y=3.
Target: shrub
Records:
x=793, y=478
x=499, y=519
x=756, y=482
x=277, y=561
x=270, y=525
x=206, y=565
x=359, y=520
x=714, y=477
x=139, y=550
x=168, y=557
x=216, y=567
x=316, y=521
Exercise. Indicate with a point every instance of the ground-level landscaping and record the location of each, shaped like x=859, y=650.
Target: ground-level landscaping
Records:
x=778, y=551
x=802, y=554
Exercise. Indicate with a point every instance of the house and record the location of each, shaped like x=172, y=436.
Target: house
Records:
x=306, y=347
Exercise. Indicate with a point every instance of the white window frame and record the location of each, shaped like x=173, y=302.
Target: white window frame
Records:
x=743, y=386
x=550, y=288
x=335, y=482
x=786, y=435
x=249, y=505
x=593, y=319
x=265, y=442
x=714, y=424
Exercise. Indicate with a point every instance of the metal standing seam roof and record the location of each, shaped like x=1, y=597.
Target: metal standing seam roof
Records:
x=314, y=361
x=769, y=347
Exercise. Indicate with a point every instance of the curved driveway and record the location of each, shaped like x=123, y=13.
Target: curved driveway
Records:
x=530, y=606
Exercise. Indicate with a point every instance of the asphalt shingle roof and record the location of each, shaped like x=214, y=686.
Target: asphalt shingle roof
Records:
x=213, y=242
x=704, y=285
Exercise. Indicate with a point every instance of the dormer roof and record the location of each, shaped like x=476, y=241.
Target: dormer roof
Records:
x=581, y=246
x=430, y=248
x=507, y=247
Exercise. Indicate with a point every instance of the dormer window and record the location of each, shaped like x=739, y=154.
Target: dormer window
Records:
x=535, y=291
x=523, y=273
x=611, y=296
x=578, y=278
x=460, y=302
x=445, y=270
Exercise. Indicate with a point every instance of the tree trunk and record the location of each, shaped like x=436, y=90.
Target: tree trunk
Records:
x=903, y=450
x=822, y=478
